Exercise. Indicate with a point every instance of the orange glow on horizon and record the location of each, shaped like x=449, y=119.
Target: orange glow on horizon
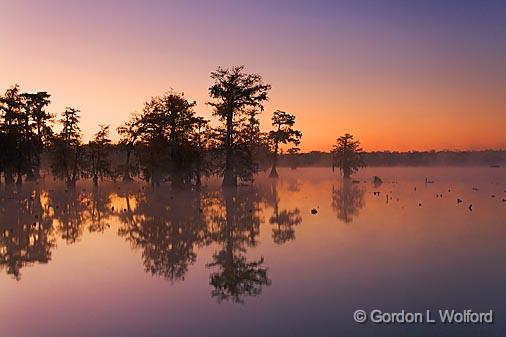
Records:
x=393, y=89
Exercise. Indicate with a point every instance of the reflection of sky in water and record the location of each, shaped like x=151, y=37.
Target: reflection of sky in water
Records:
x=134, y=262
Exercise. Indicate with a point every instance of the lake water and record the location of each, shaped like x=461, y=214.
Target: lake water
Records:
x=125, y=260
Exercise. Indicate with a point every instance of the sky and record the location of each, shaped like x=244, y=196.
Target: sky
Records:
x=399, y=75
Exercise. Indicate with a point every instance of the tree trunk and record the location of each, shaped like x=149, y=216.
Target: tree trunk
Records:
x=155, y=178
x=38, y=161
x=177, y=180
x=37, y=172
x=9, y=179
x=96, y=169
x=126, y=173
x=198, y=176
x=75, y=169
x=198, y=183
x=71, y=183
x=346, y=172
x=274, y=172
x=229, y=180
x=229, y=176
x=19, y=180
x=30, y=176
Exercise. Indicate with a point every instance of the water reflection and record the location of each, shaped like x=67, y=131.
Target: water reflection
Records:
x=284, y=220
x=347, y=200
x=32, y=220
x=129, y=248
x=99, y=212
x=235, y=225
x=167, y=228
x=25, y=231
x=75, y=211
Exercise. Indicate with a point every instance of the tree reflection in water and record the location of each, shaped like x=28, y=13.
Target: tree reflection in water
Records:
x=167, y=227
x=31, y=220
x=235, y=223
x=98, y=210
x=69, y=207
x=284, y=220
x=347, y=200
x=25, y=231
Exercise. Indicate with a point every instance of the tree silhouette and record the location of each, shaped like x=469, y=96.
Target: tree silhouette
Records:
x=129, y=133
x=24, y=130
x=38, y=126
x=235, y=93
x=283, y=133
x=200, y=145
x=153, y=152
x=67, y=155
x=347, y=155
x=170, y=138
x=98, y=148
x=15, y=135
x=4, y=157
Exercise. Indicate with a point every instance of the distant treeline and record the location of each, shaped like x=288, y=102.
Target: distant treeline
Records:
x=411, y=158
x=377, y=158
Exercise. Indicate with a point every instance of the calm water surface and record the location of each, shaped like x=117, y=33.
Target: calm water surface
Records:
x=125, y=260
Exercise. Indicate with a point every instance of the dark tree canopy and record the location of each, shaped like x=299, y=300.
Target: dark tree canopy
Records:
x=24, y=131
x=170, y=135
x=129, y=134
x=347, y=155
x=68, y=160
x=167, y=141
x=99, y=166
x=237, y=96
x=283, y=133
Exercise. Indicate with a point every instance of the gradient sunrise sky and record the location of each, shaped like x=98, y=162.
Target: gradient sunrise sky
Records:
x=399, y=75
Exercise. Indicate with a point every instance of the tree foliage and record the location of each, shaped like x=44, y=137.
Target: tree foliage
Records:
x=170, y=139
x=99, y=166
x=129, y=133
x=237, y=96
x=24, y=131
x=283, y=133
x=347, y=155
x=68, y=161
x=165, y=142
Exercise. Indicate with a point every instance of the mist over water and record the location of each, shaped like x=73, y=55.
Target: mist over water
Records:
x=293, y=256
